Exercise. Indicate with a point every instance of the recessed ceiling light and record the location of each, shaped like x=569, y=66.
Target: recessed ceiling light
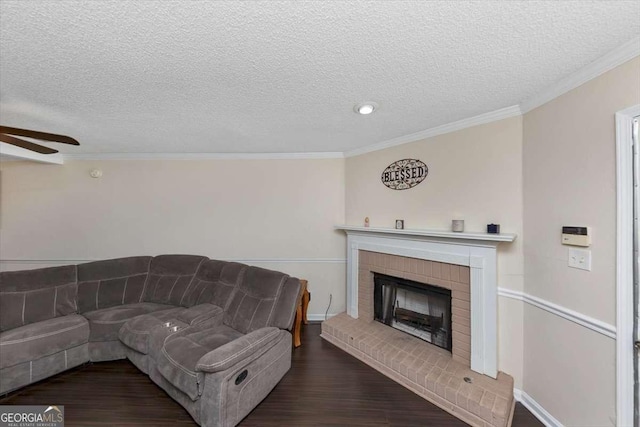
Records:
x=365, y=108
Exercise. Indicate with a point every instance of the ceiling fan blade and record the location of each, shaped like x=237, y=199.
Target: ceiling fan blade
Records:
x=44, y=136
x=26, y=144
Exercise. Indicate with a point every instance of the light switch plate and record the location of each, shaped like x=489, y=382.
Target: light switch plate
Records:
x=580, y=258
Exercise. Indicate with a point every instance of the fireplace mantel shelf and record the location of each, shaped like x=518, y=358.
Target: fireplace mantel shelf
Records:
x=503, y=237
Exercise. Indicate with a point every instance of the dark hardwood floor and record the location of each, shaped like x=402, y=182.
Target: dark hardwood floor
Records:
x=325, y=386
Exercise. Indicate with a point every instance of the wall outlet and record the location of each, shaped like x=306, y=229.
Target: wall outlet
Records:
x=580, y=258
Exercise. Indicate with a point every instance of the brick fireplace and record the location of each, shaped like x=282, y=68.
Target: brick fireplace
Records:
x=447, y=276
x=464, y=381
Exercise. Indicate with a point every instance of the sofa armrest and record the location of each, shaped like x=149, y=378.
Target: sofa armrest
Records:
x=199, y=313
x=240, y=349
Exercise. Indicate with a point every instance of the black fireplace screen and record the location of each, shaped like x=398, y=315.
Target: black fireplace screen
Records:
x=416, y=308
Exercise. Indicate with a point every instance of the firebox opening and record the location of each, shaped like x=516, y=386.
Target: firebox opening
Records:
x=416, y=308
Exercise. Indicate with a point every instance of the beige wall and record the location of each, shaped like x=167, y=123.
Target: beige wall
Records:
x=281, y=211
x=570, y=179
x=569, y=370
x=474, y=174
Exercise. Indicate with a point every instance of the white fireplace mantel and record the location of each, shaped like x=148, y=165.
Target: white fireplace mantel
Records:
x=478, y=251
x=478, y=237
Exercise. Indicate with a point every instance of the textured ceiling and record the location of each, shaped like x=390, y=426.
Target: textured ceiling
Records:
x=191, y=76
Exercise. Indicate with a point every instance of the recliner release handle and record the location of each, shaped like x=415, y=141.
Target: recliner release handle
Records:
x=242, y=376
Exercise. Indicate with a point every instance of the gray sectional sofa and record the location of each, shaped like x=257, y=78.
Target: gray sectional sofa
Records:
x=213, y=334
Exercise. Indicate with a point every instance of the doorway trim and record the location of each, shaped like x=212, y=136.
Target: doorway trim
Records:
x=624, y=266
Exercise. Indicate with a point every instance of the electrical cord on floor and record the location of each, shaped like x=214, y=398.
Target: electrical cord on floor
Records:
x=326, y=313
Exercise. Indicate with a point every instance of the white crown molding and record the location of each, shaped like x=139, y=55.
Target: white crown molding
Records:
x=601, y=65
x=492, y=116
x=10, y=152
x=616, y=57
x=204, y=156
x=536, y=409
x=566, y=313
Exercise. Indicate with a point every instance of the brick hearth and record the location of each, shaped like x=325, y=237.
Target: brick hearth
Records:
x=425, y=369
x=429, y=371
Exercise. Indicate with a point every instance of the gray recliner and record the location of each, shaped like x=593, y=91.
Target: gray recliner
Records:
x=229, y=363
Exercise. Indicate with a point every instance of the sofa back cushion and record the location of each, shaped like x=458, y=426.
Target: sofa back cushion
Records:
x=288, y=301
x=263, y=298
x=170, y=276
x=108, y=283
x=31, y=296
x=215, y=283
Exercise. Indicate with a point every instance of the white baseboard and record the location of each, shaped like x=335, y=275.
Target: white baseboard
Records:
x=536, y=409
x=319, y=317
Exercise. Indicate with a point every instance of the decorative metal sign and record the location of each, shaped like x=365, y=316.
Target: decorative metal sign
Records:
x=404, y=174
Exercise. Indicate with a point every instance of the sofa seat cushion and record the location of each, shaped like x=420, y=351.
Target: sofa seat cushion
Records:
x=146, y=333
x=36, y=340
x=181, y=352
x=136, y=332
x=105, y=323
